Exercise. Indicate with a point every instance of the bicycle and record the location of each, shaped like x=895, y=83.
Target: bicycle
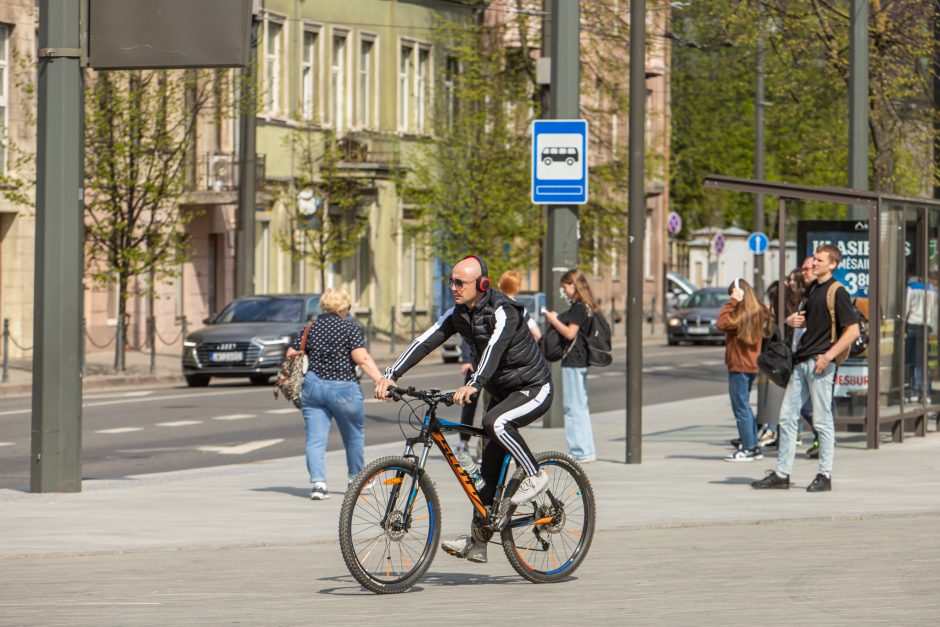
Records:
x=390, y=521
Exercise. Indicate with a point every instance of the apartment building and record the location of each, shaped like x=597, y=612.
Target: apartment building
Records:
x=17, y=170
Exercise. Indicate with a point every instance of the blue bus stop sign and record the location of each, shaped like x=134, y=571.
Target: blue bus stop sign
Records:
x=559, y=162
x=757, y=243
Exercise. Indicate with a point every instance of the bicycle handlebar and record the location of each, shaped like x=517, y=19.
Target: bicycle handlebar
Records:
x=432, y=395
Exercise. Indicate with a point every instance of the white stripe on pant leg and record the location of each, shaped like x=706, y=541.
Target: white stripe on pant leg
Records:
x=499, y=426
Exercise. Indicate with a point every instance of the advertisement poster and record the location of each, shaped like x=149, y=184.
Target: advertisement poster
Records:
x=851, y=236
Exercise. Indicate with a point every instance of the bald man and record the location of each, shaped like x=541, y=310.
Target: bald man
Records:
x=509, y=365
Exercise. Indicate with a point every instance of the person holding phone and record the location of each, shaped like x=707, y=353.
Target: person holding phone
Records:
x=746, y=322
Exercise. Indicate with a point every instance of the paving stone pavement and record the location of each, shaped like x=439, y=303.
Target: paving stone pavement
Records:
x=682, y=540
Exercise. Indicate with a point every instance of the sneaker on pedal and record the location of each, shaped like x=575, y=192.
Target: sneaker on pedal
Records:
x=466, y=547
x=530, y=488
x=813, y=451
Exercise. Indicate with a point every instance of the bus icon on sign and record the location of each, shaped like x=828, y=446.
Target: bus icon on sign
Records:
x=551, y=155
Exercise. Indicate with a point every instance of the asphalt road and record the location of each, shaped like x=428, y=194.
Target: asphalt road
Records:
x=136, y=431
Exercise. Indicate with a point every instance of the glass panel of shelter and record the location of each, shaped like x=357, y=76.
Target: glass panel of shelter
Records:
x=932, y=373
x=890, y=329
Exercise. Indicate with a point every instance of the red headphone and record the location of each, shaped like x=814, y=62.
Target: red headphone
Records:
x=483, y=281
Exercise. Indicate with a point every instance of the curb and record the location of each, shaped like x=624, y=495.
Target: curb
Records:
x=97, y=382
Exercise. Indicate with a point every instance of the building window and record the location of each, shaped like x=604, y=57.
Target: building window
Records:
x=309, y=74
x=422, y=88
x=451, y=71
x=4, y=90
x=338, y=81
x=366, y=79
x=404, y=87
x=272, y=67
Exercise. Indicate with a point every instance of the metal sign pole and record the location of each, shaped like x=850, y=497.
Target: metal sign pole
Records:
x=635, y=223
x=56, y=441
x=561, y=239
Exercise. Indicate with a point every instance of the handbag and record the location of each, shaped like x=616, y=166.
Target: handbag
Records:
x=776, y=360
x=290, y=377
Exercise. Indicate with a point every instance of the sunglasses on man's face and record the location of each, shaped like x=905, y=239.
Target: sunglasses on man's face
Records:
x=459, y=283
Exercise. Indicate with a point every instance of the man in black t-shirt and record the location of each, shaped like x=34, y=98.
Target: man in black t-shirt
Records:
x=813, y=371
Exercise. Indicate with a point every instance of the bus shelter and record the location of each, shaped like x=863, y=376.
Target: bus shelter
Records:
x=892, y=273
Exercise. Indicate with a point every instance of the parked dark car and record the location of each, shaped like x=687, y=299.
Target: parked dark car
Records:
x=247, y=339
x=534, y=302
x=695, y=320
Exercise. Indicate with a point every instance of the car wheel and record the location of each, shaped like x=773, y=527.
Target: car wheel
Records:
x=197, y=380
x=673, y=341
x=260, y=379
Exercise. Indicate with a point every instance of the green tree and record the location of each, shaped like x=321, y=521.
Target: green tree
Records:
x=325, y=203
x=138, y=130
x=470, y=183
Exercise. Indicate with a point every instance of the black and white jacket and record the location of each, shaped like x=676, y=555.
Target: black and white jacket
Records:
x=506, y=355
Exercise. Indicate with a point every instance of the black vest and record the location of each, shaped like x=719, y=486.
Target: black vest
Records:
x=522, y=364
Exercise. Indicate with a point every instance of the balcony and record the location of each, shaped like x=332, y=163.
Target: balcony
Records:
x=371, y=155
x=216, y=179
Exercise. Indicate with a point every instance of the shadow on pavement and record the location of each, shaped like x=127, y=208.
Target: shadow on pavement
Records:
x=289, y=490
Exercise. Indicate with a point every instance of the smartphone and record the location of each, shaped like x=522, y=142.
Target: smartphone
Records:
x=544, y=309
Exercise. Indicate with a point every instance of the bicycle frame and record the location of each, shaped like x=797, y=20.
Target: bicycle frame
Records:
x=431, y=433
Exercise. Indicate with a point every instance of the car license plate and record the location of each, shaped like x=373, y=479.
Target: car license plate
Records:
x=226, y=356
x=698, y=330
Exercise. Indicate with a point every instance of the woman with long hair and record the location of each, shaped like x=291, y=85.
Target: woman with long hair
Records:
x=573, y=325
x=746, y=322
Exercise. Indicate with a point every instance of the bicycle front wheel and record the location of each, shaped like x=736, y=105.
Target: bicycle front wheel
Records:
x=388, y=539
x=547, y=539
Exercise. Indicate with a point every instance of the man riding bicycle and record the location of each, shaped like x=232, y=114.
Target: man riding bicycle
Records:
x=509, y=365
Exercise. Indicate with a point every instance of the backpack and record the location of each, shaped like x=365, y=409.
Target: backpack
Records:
x=831, y=302
x=553, y=345
x=598, y=343
x=776, y=360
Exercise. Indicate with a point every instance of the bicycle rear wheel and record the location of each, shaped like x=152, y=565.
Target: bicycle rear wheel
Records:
x=386, y=545
x=551, y=550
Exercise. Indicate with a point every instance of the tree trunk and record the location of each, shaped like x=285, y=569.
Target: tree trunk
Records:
x=121, y=339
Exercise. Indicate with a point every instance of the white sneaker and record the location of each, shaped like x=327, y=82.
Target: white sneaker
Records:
x=530, y=488
x=466, y=547
x=319, y=491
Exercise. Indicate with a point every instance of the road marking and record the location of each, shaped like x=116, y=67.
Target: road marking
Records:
x=239, y=449
x=7, y=443
x=149, y=399
x=288, y=410
x=235, y=417
x=179, y=423
x=89, y=397
x=658, y=369
x=120, y=430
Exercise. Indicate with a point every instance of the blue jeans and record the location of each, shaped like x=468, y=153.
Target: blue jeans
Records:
x=321, y=401
x=578, y=430
x=806, y=384
x=739, y=388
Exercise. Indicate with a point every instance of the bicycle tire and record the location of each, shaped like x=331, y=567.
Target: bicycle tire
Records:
x=547, y=543
x=361, y=529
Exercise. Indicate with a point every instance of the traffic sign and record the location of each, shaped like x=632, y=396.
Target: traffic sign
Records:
x=718, y=244
x=559, y=162
x=673, y=223
x=757, y=243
